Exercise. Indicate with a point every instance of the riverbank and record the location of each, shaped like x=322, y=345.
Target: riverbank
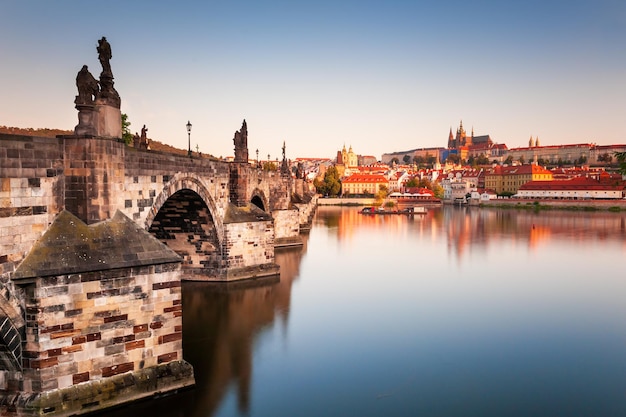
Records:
x=570, y=205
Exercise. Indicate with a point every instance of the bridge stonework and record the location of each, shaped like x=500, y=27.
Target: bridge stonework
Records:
x=67, y=330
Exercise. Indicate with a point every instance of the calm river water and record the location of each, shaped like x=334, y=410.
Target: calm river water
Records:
x=460, y=312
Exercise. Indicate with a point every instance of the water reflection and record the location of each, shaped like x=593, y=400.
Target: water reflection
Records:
x=473, y=228
x=220, y=326
x=221, y=323
x=462, y=311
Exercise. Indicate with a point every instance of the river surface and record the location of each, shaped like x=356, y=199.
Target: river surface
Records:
x=459, y=312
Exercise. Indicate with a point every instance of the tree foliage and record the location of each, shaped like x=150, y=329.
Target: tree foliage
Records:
x=330, y=185
x=412, y=183
x=269, y=166
x=126, y=135
x=453, y=158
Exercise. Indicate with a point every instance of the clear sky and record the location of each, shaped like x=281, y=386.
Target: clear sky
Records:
x=380, y=76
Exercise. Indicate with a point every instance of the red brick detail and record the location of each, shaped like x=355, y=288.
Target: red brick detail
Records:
x=94, y=336
x=43, y=363
x=50, y=329
x=166, y=338
x=54, y=352
x=66, y=333
x=176, y=302
x=117, y=369
x=174, y=308
x=167, y=357
x=156, y=325
x=165, y=285
x=72, y=349
x=116, y=318
x=123, y=339
x=78, y=340
x=178, y=314
x=135, y=345
x=140, y=328
x=78, y=378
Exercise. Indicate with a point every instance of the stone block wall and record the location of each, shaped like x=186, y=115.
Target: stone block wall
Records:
x=280, y=193
x=94, y=177
x=31, y=193
x=250, y=249
x=83, y=329
x=287, y=227
x=149, y=174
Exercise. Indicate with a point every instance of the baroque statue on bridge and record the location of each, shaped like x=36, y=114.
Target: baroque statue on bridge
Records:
x=108, y=95
x=241, y=143
x=104, y=55
x=87, y=85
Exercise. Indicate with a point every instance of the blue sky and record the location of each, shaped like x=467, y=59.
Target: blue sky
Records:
x=379, y=76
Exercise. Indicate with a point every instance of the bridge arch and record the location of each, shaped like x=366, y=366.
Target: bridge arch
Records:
x=185, y=217
x=260, y=200
x=192, y=182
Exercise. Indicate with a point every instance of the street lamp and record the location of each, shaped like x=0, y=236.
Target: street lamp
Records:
x=257, y=157
x=189, y=138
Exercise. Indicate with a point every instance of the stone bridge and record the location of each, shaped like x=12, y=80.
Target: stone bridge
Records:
x=220, y=220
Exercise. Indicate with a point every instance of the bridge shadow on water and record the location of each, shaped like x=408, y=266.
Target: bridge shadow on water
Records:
x=221, y=323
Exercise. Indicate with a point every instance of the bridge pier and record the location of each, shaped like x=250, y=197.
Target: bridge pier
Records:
x=103, y=320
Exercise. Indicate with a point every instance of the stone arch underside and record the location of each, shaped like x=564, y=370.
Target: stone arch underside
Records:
x=184, y=218
x=259, y=200
x=10, y=336
x=185, y=224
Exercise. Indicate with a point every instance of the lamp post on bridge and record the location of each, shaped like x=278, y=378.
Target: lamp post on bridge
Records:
x=257, y=157
x=188, y=138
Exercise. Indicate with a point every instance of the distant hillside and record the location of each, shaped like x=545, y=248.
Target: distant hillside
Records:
x=51, y=133
x=45, y=132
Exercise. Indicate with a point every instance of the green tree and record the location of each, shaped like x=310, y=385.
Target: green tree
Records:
x=509, y=160
x=330, y=185
x=126, y=135
x=382, y=193
x=482, y=159
x=425, y=183
x=412, y=183
x=438, y=190
x=269, y=166
x=453, y=158
x=406, y=159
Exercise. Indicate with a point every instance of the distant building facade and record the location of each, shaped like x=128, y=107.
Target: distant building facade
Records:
x=575, y=188
x=508, y=179
x=363, y=184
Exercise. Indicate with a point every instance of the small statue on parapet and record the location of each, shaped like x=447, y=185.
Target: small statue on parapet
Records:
x=241, y=143
x=144, y=143
x=284, y=165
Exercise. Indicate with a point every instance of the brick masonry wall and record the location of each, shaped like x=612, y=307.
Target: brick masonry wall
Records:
x=287, y=223
x=94, y=177
x=31, y=193
x=250, y=244
x=85, y=327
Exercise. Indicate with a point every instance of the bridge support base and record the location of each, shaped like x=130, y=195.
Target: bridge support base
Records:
x=98, y=395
